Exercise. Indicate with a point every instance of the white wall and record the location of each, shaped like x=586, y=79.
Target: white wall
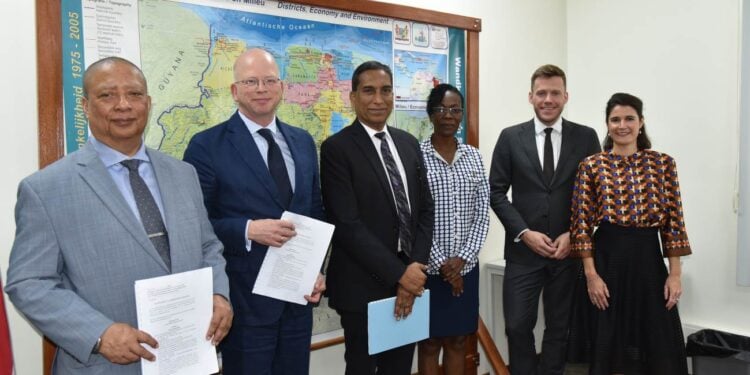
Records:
x=680, y=57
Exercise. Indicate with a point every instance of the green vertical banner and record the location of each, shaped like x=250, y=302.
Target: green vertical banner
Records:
x=76, y=125
x=457, y=69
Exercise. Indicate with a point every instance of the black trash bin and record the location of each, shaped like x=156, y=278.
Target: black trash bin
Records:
x=719, y=353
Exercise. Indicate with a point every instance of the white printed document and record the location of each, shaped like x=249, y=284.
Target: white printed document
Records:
x=176, y=310
x=289, y=272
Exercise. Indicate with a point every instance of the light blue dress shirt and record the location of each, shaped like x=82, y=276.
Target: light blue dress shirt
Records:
x=262, y=144
x=112, y=158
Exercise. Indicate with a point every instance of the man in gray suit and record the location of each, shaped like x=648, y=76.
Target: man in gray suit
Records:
x=81, y=233
x=538, y=159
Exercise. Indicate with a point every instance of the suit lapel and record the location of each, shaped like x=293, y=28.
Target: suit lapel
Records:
x=566, y=149
x=291, y=142
x=405, y=152
x=364, y=143
x=243, y=143
x=528, y=140
x=170, y=187
x=97, y=177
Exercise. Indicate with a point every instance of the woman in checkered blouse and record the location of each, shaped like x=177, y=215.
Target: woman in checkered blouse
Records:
x=461, y=193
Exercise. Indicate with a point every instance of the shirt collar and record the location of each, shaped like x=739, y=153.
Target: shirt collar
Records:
x=431, y=150
x=371, y=132
x=539, y=126
x=253, y=127
x=110, y=156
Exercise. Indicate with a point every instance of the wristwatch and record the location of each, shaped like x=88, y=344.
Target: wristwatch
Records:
x=95, y=350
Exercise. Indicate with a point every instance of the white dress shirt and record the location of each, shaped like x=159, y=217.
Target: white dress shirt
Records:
x=556, y=138
x=376, y=141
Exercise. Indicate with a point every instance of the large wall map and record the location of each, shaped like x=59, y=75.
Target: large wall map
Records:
x=316, y=60
x=186, y=49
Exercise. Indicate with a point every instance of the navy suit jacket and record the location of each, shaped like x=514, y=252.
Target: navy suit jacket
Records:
x=237, y=186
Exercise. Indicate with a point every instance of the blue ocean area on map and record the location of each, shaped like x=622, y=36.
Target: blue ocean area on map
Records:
x=338, y=122
x=416, y=73
x=275, y=33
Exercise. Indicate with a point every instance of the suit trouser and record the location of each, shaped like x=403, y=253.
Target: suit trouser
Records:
x=522, y=285
x=279, y=348
x=396, y=361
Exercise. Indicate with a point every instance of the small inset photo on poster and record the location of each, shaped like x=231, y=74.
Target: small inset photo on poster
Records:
x=420, y=34
x=438, y=37
x=402, y=32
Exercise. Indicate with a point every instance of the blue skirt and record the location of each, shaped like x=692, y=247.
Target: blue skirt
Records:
x=449, y=315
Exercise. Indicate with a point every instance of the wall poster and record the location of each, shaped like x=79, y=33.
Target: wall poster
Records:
x=186, y=49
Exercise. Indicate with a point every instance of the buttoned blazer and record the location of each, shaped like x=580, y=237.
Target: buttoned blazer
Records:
x=237, y=186
x=535, y=204
x=79, y=249
x=357, y=194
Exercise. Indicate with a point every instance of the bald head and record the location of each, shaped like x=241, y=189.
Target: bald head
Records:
x=107, y=62
x=257, y=58
x=257, y=87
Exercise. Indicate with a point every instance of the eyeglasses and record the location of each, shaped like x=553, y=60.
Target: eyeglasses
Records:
x=444, y=110
x=254, y=82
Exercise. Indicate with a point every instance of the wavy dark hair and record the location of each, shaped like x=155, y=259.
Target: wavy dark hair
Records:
x=438, y=93
x=632, y=101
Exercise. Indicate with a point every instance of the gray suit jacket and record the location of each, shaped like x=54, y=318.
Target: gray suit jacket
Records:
x=79, y=249
x=535, y=204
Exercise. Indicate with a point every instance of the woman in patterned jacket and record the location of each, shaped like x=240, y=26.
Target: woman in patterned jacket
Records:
x=627, y=216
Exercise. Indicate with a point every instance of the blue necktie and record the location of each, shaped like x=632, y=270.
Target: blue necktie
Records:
x=277, y=167
x=150, y=215
x=402, y=204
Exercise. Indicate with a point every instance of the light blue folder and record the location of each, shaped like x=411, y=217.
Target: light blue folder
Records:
x=384, y=332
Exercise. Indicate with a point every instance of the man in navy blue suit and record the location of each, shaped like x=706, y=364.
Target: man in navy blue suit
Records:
x=252, y=168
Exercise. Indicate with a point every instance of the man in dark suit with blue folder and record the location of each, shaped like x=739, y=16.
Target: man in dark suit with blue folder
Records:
x=252, y=168
x=376, y=193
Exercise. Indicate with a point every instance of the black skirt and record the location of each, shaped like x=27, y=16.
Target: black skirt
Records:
x=636, y=334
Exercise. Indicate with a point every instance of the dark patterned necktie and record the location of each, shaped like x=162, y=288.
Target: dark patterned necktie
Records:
x=150, y=215
x=277, y=167
x=402, y=204
x=548, y=169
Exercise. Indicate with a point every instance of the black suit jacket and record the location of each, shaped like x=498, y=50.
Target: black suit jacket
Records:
x=535, y=204
x=364, y=265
